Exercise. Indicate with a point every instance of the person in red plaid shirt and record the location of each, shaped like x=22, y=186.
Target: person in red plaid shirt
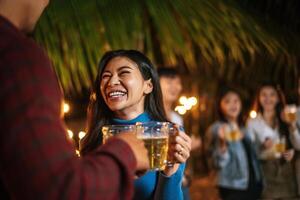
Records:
x=36, y=161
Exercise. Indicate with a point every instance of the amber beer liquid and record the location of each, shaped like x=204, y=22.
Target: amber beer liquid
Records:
x=157, y=151
x=233, y=135
x=280, y=147
x=291, y=116
x=291, y=113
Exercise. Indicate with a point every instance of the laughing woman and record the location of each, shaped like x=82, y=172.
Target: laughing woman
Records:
x=127, y=91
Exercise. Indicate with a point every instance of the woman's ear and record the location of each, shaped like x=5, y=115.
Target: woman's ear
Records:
x=148, y=86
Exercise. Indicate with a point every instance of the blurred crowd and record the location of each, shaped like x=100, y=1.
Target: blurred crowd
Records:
x=258, y=157
x=253, y=158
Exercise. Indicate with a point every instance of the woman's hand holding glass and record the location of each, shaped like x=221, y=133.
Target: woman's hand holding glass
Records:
x=182, y=146
x=277, y=149
x=289, y=115
x=288, y=155
x=228, y=133
x=222, y=139
x=268, y=143
x=167, y=145
x=179, y=150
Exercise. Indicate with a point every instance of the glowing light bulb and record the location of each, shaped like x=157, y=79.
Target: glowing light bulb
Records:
x=66, y=108
x=187, y=105
x=193, y=101
x=81, y=134
x=253, y=114
x=180, y=109
x=183, y=100
x=70, y=134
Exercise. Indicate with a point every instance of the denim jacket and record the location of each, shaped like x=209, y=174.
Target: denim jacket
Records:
x=232, y=165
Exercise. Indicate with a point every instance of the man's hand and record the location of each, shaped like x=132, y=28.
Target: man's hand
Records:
x=138, y=148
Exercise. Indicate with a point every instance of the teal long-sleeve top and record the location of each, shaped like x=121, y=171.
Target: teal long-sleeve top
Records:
x=154, y=184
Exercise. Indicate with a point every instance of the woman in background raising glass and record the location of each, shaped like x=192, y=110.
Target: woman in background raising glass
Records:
x=275, y=142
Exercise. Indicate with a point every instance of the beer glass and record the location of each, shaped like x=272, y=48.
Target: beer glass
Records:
x=290, y=112
x=280, y=145
x=156, y=138
x=111, y=130
x=173, y=132
x=232, y=133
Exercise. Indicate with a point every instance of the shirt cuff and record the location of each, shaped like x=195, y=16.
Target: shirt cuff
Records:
x=177, y=176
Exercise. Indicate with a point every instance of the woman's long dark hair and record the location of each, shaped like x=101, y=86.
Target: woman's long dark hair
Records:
x=221, y=94
x=99, y=114
x=282, y=126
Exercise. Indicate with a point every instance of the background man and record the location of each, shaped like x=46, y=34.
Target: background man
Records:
x=171, y=87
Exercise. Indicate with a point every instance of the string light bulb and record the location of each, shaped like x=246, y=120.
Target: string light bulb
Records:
x=253, y=114
x=70, y=134
x=186, y=104
x=183, y=100
x=77, y=152
x=81, y=134
x=193, y=101
x=66, y=107
x=180, y=109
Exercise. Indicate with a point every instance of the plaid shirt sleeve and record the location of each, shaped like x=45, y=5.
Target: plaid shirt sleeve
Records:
x=36, y=161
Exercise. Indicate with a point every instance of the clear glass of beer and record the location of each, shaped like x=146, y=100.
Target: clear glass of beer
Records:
x=290, y=112
x=111, y=130
x=280, y=145
x=156, y=138
x=232, y=133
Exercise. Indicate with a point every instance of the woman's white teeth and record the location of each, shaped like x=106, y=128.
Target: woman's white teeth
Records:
x=116, y=94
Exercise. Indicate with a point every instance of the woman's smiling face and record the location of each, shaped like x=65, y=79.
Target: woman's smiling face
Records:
x=268, y=98
x=123, y=88
x=231, y=105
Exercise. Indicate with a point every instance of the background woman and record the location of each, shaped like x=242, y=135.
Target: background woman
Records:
x=268, y=130
x=233, y=154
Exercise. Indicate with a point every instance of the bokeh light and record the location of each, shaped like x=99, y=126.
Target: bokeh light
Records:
x=193, y=101
x=77, y=153
x=186, y=104
x=180, y=109
x=253, y=114
x=66, y=107
x=81, y=134
x=70, y=134
x=183, y=100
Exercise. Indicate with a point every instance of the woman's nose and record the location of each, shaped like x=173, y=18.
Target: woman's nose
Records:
x=114, y=80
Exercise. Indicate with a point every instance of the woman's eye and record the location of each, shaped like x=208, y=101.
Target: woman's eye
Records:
x=105, y=76
x=124, y=72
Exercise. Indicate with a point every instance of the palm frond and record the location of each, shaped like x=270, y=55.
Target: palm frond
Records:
x=221, y=34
